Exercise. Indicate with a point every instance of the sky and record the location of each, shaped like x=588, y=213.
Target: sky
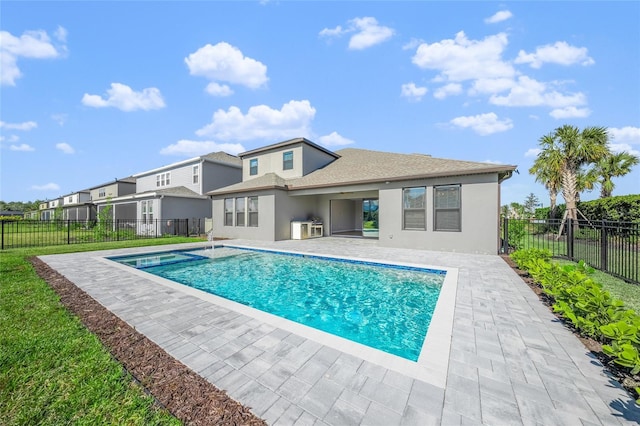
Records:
x=94, y=91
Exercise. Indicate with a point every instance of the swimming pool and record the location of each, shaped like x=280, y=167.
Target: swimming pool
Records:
x=387, y=307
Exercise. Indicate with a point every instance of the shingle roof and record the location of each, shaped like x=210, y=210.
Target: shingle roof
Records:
x=363, y=166
x=356, y=166
x=223, y=157
x=266, y=181
x=176, y=191
x=287, y=143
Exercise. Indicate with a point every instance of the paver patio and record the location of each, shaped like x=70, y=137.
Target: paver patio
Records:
x=510, y=361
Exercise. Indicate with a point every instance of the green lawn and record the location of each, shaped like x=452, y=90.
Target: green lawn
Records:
x=52, y=369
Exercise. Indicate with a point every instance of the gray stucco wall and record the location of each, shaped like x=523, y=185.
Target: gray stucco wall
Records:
x=184, y=208
x=479, y=217
x=266, y=219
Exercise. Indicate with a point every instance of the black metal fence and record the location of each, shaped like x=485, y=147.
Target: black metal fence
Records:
x=613, y=247
x=38, y=233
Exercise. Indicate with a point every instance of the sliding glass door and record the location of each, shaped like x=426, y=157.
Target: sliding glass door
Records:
x=370, y=218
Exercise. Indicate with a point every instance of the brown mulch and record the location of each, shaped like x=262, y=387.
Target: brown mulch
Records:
x=623, y=376
x=185, y=394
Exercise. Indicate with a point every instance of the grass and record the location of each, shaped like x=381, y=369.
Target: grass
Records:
x=619, y=289
x=52, y=369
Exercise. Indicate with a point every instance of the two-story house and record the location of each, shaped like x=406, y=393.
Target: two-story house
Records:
x=175, y=191
x=296, y=188
x=48, y=209
x=101, y=196
x=78, y=206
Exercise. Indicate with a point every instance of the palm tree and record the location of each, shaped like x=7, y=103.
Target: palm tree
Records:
x=613, y=165
x=548, y=174
x=565, y=152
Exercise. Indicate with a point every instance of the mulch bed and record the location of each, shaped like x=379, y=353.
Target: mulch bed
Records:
x=185, y=394
x=623, y=376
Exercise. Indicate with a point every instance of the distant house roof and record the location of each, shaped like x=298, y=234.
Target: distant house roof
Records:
x=128, y=179
x=176, y=191
x=285, y=144
x=360, y=166
x=214, y=157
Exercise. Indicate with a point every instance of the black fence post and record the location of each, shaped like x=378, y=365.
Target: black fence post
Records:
x=68, y=231
x=186, y=227
x=570, y=238
x=2, y=221
x=117, y=229
x=505, y=235
x=604, y=247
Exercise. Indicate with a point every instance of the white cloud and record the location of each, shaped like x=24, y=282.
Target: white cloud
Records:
x=620, y=147
x=447, y=90
x=65, y=147
x=491, y=85
x=503, y=15
x=412, y=92
x=625, y=134
x=261, y=122
x=334, y=139
x=21, y=147
x=529, y=92
x=335, y=32
x=10, y=138
x=61, y=34
x=462, y=59
x=224, y=62
x=26, y=126
x=367, y=33
x=532, y=152
x=570, y=112
x=195, y=148
x=215, y=89
x=483, y=124
x=59, y=118
x=412, y=44
x=47, y=187
x=31, y=44
x=124, y=98
x=558, y=53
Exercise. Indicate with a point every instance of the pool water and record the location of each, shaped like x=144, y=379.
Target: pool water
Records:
x=385, y=307
x=144, y=261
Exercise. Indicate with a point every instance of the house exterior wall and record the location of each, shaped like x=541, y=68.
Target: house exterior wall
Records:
x=179, y=176
x=479, y=217
x=184, y=208
x=81, y=212
x=217, y=175
x=306, y=159
x=112, y=190
x=266, y=218
x=289, y=209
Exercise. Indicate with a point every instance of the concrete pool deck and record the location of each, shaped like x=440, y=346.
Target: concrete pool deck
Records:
x=509, y=360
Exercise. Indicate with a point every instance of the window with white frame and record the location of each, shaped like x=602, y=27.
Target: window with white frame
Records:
x=253, y=167
x=147, y=211
x=414, y=208
x=102, y=192
x=196, y=173
x=163, y=179
x=240, y=210
x=447, y=208
x=253, y=211
x=287, y=160
x=228, y=212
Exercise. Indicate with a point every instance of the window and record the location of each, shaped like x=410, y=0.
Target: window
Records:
x=147, y=211
x=70, y=200
x=102, y=192
x=253, y=167
x=228, y=212
x=446, y=208
x=253, y=211
x=163, y=179
x=287, y=160
x=240, y=211
x=414, y=208
x=196, y=174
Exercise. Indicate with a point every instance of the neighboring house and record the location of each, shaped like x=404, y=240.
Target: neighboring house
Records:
x=78, y=206
x=11, y=213
x=100, y=195
x=175, y=191
x=404, y=200
x=48, y=209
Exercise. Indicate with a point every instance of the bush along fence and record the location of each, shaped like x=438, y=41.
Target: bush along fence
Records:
x=38, y=233
x=612, y=247
x=589, y=309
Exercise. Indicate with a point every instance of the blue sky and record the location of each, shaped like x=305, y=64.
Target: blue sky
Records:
x=93, y=91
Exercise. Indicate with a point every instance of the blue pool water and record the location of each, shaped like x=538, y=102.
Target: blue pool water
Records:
x=384, y=307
